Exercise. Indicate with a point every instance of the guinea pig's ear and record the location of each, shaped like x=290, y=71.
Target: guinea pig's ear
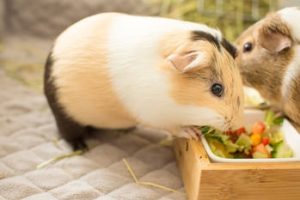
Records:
x=189, y=61
x=274, y=36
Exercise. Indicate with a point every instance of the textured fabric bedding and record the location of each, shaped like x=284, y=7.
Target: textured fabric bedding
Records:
x=28, y=137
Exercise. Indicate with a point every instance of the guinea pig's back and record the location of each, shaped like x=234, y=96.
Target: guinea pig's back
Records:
x=80, y=74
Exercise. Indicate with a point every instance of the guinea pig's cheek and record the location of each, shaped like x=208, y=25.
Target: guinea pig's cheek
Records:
x=218, y=119
x=248, y=76
x=238, y=61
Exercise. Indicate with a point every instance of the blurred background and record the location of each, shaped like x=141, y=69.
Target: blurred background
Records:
x=29, y=27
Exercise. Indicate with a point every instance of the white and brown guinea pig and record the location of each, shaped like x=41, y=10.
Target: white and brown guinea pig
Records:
x=116, y=71
x=269, y=60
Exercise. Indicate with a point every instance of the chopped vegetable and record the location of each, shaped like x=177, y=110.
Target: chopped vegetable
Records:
x=218, y=148
x=258, y=154
x=240, y=131
x=258, y=128
x=265, y=140
x=275, y=137
x=260, y=151
x=282, y=150
x=255, y=139
x=244, y=143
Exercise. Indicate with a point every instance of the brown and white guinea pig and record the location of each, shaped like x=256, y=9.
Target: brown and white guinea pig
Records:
x=116, y=71
x=269, y=60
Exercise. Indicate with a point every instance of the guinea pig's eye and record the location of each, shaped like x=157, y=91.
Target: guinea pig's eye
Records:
x=247, y=47
x=217, y=89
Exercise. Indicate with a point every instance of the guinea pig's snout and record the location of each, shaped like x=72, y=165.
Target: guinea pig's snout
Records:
x=237, y=121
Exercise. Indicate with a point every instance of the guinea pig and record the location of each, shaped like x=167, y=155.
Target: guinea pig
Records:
x=269, y=60
x=117, y=71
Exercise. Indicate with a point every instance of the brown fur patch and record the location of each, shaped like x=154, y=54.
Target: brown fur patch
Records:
x=84, y=87
x=170, y=42
x=274, y=23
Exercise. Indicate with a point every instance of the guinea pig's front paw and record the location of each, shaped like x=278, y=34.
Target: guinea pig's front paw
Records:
x=189, y=133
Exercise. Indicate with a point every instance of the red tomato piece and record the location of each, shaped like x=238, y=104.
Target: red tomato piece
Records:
x=262, y=149
x=240, y=131
x=265, y=141
x=229, y=132
x=258, y=127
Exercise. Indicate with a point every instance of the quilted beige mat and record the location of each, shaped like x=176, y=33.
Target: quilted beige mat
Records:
x=28, y=137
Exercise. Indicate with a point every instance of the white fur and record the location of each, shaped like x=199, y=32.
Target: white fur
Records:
x=133, y=60
x=291, y=16
x=292, y=71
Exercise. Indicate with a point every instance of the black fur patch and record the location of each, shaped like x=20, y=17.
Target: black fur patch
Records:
x=229, y=47
x=70, y=130
x=200, y=35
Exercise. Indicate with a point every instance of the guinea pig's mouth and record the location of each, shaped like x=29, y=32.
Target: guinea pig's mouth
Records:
x=194, y=132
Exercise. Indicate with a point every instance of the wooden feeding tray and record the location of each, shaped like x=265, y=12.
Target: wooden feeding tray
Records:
x=206, y=180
